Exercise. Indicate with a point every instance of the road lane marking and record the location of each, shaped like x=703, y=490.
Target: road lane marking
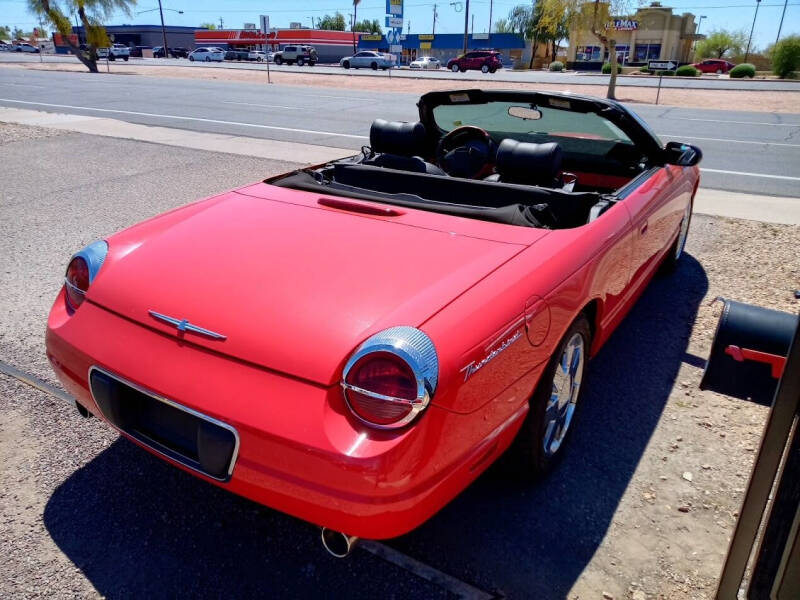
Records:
x=727, y=141
x=735, y=122
x=180, y=118
x=264, y=105
x=451, y=584
x=744, y=174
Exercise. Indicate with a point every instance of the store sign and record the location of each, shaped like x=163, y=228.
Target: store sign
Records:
x=394, y=22
x=394, y=7
x=624, y=25
x=424, y=45
x=372, y=37
x=426, y=37
x=480, y=36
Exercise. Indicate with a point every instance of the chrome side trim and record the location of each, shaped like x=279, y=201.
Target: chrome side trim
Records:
x=173, y=404
x=184, y=325
x=416, y=349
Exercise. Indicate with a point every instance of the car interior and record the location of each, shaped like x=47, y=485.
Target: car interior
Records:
x=494, y=160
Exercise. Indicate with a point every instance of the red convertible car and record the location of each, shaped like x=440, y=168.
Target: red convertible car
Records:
x=354, y=343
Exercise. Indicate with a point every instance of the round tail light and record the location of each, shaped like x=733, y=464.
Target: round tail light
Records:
x=391, y=377
x=76, y=281
x=81, y=271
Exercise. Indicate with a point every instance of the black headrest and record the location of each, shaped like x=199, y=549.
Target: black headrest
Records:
x=524, y=162
x=397, y=137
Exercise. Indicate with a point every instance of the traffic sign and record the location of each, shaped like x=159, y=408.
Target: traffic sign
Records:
x=661, y=65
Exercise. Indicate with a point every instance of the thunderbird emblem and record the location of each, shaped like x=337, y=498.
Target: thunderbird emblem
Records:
x=184, y=325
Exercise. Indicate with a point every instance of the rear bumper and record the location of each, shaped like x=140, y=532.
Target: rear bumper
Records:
x=300, y=451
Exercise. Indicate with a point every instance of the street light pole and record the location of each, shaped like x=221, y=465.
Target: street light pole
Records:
x=466, y=27
x=783, y=14
x=697, y=32
x=750, y=39
x=163, y=30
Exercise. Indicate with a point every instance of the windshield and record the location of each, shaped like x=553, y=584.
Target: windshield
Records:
x=528, y=122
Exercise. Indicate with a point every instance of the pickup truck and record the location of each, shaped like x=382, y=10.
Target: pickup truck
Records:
x=114, y=52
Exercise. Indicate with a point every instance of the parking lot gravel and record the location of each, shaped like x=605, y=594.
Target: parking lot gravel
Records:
x=643, y=506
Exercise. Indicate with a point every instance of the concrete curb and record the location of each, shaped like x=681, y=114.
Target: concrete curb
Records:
x=734, y=205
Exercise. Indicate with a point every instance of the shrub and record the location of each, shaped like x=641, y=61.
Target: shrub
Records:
x=645, y=70
x=786, y=56
x=687, y=71
x=743, y=70
x=665, y=73
x=556, y=65
x=607, y=68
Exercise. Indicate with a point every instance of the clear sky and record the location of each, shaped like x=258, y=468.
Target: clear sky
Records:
x=720, y=14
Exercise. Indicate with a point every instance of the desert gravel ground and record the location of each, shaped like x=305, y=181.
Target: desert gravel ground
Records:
x=643, y=505
x=762, y=101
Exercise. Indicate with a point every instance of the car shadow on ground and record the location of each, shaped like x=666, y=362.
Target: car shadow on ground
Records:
x=136, y=526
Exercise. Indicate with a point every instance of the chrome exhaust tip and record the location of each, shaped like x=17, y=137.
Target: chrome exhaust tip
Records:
x=338, y=544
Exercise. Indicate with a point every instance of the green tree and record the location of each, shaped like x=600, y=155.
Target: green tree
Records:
x=207, y=26
x=334, y=23
x=91, y=13
x=368, y=26
x=18, y=34
x=786, y=56
x=5, y=32
x=721, y=43
x=502, y=26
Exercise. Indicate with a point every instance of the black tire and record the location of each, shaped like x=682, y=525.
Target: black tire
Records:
x=374, y=66
x=384, y=68
x=462, y=69
x=530, y=459
x=673, y=256
x=493, y=70
x=346, y=64
x=311, y=63
x=300, y=62
x=191, y=59
x=484, y=68
x=125, y=58
x=278, y=60
x=208, y=59
x=455, y=68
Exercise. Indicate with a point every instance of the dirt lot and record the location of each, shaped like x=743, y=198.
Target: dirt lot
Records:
x=788, y=102
x=642, y=507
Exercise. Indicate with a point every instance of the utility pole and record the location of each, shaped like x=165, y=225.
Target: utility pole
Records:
x=750, y=39
x=221, y=23
x=353, y=26
x=783, y=14
x=163, y=30
x=472, y=27
x=435, y=14
x=490, y=17
x=466, y=27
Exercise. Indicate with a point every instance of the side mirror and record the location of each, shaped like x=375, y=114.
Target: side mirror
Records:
x=682, y=155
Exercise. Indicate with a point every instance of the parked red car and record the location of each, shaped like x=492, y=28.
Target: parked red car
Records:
x=714, y=65
x=354, y=343
x=486, y=61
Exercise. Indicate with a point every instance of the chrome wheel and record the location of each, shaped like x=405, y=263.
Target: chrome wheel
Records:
x=564, y=395
x=683, y=233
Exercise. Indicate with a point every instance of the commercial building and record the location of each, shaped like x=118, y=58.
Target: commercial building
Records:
x=331, y=46
x=147, y=36
x=445, y=46
x=653, y=33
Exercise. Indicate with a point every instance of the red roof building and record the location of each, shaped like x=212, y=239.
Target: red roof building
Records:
x=330, y=45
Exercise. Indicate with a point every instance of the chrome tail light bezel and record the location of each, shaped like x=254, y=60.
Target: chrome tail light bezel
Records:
x=94, y=255
x=413, y=347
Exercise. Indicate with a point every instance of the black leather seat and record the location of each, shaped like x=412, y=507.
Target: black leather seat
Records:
x=398, y=145
x=528, y=164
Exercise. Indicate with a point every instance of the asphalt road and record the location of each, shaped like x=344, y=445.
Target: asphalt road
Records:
x=713, y=82
x=743, y=151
